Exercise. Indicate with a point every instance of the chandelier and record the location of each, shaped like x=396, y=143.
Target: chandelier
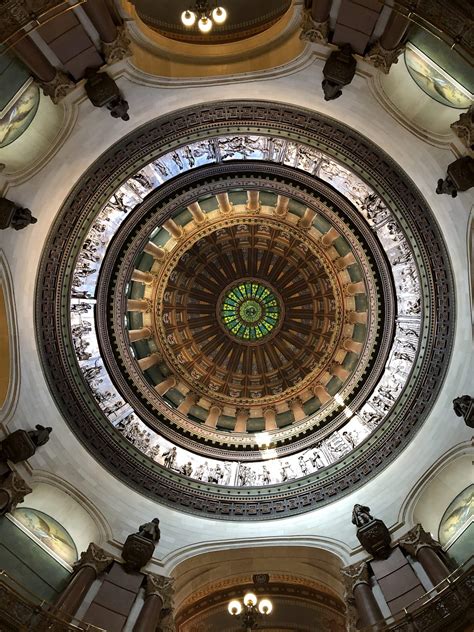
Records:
x=251, y=611
x=204, y=14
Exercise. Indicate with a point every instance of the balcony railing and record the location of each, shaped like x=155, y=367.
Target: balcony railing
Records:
x=22, y=613
x=448, y=603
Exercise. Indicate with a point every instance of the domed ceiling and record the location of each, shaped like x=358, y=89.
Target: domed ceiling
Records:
x=244, y=19
x=244, y=309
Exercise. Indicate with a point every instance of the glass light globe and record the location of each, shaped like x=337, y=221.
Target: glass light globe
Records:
x=265, y=606
x=219, y=15
x=234, y=608
x=188, y=18
x=204, y=24
x=250, y=599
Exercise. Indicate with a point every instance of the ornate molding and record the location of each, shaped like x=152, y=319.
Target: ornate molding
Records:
x=118, y=49
x=58, y=87
x=437, y=306
x=15, y=489
x=161, y=586
x=95, y=558
x=416, y=539
x=381, y=58
x=464, y=128
x=312, y=31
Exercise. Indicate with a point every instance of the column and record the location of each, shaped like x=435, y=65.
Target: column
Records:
x=158, y=595
x=172, y=227
x=322, y=394
x=420, y=545
x=357, y=583
x=155, y=251
x=269, y=415
x=92, y=563
x=395, y=30
x=55, y=83
x=164, y=386
x=352, y=345
x=329, y=238
x=281, y=208
x=32, y=57
x=149, y=616
x=339, y=371
x=320, y=10
x=138, y=305
x=351, y=289
x=197, y=212
x=149, y=361
x=342, y=262
x=253, y=200
x=357, y=317
x=139, y=334
x=101, y=19
x=187, y=403
x=225, y=205
x=366, y=605
x=307, y=219
x=142, y=277
x=434, y=566
x=213, y=416
x=297, y=409
x=241, y=420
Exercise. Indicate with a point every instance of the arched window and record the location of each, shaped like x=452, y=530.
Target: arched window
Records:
x=48, y=532
x=456, y=530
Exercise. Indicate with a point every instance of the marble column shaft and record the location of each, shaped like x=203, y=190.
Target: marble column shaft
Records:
x=149, y=616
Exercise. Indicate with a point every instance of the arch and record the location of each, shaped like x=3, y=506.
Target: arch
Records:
x=60, y=500
x=434, y=492
x=470, y=263
x=9, y=345
x=205, y=582
x=457, y=526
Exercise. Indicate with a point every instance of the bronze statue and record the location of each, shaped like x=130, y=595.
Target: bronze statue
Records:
x=150, y=530
x=463, y=406
x=14, y=216
x=338, y=71
x=40, y=436
x=103, y=91
x=361, y=515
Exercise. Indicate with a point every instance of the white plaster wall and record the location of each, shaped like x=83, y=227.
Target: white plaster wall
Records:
x=184, y=535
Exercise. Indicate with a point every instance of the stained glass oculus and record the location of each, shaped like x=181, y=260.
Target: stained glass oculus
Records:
x=250, y=311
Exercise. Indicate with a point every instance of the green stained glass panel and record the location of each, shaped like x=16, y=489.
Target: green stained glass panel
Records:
x=250, y=311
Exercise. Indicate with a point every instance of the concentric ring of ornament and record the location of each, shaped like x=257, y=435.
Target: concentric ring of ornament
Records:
x=250, y=311
x=420, y=353
x=165, y=341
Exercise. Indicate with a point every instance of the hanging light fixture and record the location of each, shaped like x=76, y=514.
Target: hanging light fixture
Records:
x=251, y=610
x=204, y=14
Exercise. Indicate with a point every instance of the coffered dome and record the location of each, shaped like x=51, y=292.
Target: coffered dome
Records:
x=250, y=291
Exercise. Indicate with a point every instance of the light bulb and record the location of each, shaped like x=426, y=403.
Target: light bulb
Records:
x=265, y=606
x=188, y=18
x=250, y=599
x=219, y=15
x=204, y=24
x=234, y=608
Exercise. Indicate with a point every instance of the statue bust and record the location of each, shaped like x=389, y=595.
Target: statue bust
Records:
x=361, y=515
x=150, y=530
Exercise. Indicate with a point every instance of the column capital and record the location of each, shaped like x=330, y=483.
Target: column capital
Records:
x=381, y=58
x=416, y=539
x=313, y=31
x=161, y=586
x=119, y=48
x=15, y=489
x=60, y=86
x=95, y=557
x=354, y=575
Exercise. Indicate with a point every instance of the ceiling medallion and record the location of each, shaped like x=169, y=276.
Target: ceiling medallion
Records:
x=250, y=311
x=120, y=272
